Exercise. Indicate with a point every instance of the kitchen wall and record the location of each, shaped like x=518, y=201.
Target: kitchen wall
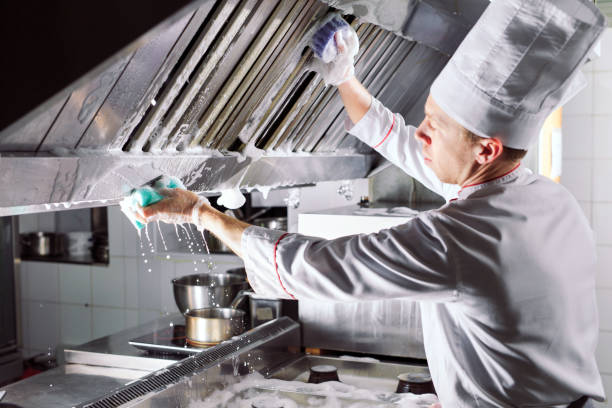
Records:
x=65, y=304
x=587, y=173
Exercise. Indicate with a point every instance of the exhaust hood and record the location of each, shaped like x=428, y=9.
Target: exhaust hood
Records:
x=221, y=95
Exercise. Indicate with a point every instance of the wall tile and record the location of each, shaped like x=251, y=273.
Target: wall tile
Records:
x=76, y=324
x=604, y=267
x=145, y=315
x=131, y=282
x=46, y=221
x=602, y=222
x=109, y=284
x=578, y=137
x=168, y=305
x=576, y=177
x=602, y=180
x=131, y=240
x=44, y=325
x=587, y=209
x=607, y=383
x=115, y=230
x=149, y=283
x=107, y=321
x=75, y=283
x=604, y=352
x=28, y=223
x=186, y=266
x=602, y=90
x=581, y=104
x=604, y=62
x=602, y=137
x=43, y=281
x=131, y=318
x=604, y=305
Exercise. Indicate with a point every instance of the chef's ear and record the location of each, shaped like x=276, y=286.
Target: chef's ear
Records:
x=488, y=150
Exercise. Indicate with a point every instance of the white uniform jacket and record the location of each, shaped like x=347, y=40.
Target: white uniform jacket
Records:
x=504, y=273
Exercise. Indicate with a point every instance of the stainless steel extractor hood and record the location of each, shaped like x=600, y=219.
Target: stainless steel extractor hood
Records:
x=221, y=96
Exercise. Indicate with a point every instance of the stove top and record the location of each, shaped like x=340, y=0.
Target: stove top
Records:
x=169, y=340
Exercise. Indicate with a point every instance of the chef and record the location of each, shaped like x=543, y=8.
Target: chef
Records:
x=505, y=269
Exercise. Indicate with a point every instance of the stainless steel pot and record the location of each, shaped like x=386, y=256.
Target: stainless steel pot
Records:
x=206, y=290
x=43, y=244
x=209, y=326
x=276, y=223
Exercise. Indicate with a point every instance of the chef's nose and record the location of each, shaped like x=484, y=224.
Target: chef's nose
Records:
x=421, y=135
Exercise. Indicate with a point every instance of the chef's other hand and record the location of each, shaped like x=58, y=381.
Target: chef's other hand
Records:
x=335, y=45
x=178, y=206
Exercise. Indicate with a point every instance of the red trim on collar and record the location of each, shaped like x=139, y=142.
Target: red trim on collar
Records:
x=493, y=179
x=388, y=133
x=276, y=265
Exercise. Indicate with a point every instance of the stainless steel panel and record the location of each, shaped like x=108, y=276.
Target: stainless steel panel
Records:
x=386, y=327
x=196, y=21
x=81, y=107
x=150, y=128
x=128, y=92
x=57, y=183
x=27, y=138
x=438, y=24
x=195, y=377
x=235, y=60
x=67, y=386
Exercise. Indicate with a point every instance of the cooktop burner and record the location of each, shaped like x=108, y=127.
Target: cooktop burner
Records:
x=169, y=340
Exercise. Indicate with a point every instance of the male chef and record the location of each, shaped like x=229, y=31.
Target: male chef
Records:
x=505, y=269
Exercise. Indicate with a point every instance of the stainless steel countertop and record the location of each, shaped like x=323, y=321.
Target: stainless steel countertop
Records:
x=91, y=370
x=114, y=350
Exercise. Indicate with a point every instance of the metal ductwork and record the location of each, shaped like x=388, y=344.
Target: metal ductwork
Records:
x=210, y=87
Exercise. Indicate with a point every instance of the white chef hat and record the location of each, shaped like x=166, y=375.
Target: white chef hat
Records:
x=519, y=63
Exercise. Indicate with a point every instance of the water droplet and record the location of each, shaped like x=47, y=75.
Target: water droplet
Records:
x=149, y=270
x=167, y=256
x=146, y=261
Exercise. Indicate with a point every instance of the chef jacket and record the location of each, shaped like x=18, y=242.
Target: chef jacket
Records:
x=504, y=272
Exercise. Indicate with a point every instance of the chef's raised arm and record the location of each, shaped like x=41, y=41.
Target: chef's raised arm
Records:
x=388, y=134
x=410, y=260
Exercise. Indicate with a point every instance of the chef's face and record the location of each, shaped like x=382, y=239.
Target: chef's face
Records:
x=445, y=148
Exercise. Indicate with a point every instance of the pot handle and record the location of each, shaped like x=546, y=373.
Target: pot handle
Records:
x=243, y=294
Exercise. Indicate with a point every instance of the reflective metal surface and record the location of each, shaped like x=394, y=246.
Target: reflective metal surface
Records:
x=196, y=377
x=114, y=350
x=67, y=386
x=206, y=290
x=58, y=183
x=209, y=326
x=439, y=24
x=228, y=75
x=386, y=327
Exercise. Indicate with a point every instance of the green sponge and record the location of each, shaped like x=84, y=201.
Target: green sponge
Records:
x=147, y=195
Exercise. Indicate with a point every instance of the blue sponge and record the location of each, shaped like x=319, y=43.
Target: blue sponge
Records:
x=324, y=35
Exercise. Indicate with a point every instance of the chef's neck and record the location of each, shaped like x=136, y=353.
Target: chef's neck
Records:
x=482, y=173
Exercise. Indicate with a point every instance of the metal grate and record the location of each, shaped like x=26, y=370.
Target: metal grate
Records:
x=191, y=365
x=245, y=78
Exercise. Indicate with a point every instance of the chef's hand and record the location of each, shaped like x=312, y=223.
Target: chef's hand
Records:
x=181, y=206
x=336, y=63
x=177, y=207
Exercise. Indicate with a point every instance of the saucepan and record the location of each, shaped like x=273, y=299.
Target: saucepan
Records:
x=207, y=290
x=212, y=325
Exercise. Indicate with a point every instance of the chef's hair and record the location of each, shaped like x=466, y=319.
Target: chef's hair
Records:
x=508, y=153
